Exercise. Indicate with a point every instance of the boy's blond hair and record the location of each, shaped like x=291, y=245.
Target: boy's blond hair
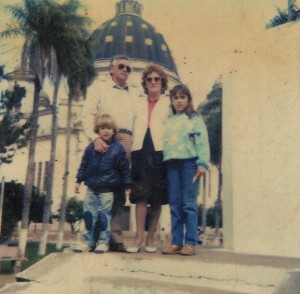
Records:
x=105, y=121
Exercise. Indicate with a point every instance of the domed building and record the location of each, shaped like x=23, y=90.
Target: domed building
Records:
x=128, y=33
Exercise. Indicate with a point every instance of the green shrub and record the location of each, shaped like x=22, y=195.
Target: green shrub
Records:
x=74, y=213
x=12, y=208
x=210, y=216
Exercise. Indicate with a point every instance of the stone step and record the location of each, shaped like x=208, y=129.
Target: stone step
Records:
x=210, y=271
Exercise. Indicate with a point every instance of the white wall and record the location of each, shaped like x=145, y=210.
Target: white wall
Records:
x=261, y=145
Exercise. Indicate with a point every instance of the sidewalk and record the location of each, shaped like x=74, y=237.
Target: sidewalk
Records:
x=211, y=270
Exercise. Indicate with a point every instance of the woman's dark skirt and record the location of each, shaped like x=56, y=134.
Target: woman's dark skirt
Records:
x=148, y=174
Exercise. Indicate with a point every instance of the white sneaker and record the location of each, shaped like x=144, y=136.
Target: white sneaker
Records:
x=83, y=247
x=101, y=248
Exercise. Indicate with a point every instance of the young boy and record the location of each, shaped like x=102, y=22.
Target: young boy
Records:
x=102, y=173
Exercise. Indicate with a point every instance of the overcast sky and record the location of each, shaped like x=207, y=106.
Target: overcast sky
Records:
x=203, y=35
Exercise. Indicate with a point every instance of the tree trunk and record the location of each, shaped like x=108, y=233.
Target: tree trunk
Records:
x=204, y=214
x=218, y=206
x=1, y=201
x=50, y=177
x=63, y=204
x=29, y=182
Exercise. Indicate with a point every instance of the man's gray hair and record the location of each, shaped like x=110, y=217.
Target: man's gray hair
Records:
x=118, y=57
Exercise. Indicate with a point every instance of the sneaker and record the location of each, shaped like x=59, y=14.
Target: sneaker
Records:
x=188, y=250
x=83, y=247
x=172, y=249
x=101, y=248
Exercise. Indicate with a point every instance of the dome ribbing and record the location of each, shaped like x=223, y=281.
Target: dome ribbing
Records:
x=127, y=33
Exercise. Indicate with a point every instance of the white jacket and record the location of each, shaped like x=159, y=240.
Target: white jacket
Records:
x=160, y=113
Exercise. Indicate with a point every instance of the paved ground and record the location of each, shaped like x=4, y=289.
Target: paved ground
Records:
x=5, y=279
x=210, y=271
x=210, y=263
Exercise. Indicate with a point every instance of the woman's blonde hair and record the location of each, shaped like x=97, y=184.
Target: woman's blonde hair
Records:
x=158, y=69
x=105, y=121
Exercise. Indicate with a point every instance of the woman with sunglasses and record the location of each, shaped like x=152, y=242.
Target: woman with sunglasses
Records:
x=148, y=170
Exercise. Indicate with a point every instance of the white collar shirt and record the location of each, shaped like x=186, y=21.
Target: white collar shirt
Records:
x=108, y=98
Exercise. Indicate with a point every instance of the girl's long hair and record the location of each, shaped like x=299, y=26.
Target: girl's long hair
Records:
x=184, y=90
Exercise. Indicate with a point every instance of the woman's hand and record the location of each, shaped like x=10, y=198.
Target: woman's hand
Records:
x=100, y=145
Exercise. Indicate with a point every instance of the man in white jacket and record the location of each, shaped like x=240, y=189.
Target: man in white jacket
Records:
x=114, y=98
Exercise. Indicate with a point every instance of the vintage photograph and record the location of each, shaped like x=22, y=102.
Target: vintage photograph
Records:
x=149, y=146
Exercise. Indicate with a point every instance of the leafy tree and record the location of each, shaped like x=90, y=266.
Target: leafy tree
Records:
x=78, y=85
x=13, y=99
x=33, y=21
x=211, y=111
x=74, y=213
x=40, y=22
x=36, y=206
x=12, y=208
x=70, y=47
x=210, y=216
x=13, y=133
x=80, y=75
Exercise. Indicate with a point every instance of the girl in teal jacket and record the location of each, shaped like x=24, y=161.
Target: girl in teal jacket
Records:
x=186, y=152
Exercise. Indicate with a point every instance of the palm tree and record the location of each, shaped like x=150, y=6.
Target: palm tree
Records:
x=72, y=30
x=212, y=115
x=78, y=81
x=48, y=196
x=33, y=21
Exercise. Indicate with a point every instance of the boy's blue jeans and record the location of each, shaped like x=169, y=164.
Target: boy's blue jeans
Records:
x=183, y=200
x=97, y=207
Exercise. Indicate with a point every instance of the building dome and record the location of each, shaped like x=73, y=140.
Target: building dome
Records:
x=127, y=33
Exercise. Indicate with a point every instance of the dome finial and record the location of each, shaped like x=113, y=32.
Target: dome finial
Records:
x=129, y=6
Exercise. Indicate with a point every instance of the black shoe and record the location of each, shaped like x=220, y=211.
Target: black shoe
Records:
x=117, y=247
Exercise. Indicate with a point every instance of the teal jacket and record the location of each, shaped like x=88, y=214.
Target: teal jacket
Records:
x=185, y=138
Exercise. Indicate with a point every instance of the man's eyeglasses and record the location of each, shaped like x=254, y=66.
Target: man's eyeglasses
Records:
x=156, y=79
x=122, y=66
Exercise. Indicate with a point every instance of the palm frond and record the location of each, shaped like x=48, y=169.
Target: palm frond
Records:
x=279, y=19
x=12, y=30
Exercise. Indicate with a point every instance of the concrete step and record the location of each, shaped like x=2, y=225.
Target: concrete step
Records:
x=210, y=271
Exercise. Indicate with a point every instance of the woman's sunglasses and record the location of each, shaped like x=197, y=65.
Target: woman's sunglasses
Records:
x=122, y=66
x=156, y=79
